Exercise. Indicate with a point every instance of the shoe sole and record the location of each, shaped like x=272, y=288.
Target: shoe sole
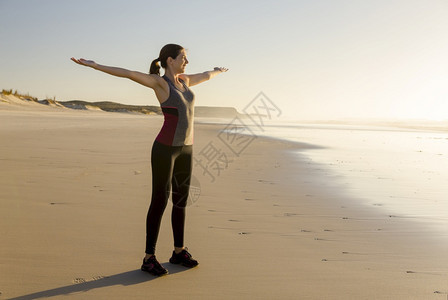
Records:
x=183, y=264
x=154, y=274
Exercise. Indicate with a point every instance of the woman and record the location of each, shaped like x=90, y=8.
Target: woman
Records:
x=171, y=156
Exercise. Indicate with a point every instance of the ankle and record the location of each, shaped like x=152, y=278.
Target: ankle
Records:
x=148, y=256
x=178, y=250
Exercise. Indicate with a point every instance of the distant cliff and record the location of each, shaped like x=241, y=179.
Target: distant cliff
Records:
x=216, y=112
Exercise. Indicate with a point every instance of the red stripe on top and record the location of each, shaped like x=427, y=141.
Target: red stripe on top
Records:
x=166, y=134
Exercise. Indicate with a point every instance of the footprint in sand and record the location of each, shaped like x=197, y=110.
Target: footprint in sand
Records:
x=98, y=186
x=439, y=292
x=79, y=280
x=265, y=181
x=290, y=214
x=83, y=280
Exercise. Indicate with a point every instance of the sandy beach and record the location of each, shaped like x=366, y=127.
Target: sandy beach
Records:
x=75, y=187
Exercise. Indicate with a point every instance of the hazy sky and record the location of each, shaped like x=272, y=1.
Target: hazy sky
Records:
x=314, y=59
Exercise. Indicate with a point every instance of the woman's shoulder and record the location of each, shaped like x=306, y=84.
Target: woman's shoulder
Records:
x=161, y=80
x=157, y=77
x=183, y=78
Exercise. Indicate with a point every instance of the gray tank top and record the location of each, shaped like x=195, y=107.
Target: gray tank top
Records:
x=178, y=111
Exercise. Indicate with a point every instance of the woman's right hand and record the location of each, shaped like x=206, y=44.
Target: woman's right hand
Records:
x=84, y=62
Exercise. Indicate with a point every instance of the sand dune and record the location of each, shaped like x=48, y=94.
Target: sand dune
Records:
x=13, y=102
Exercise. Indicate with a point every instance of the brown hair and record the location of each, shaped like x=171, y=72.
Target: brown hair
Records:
x=170, y=50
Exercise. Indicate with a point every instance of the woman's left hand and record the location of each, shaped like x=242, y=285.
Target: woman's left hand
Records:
x=221, y=69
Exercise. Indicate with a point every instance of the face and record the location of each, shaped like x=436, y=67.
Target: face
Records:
x=180, y=62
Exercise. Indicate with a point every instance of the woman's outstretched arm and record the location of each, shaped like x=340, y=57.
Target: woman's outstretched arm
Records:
x=194, y=79
x=149, y=80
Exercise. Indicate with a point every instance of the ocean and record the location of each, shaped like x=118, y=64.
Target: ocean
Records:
x=400, y=170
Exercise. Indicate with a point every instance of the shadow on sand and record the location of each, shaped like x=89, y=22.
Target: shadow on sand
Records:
x=125, y=279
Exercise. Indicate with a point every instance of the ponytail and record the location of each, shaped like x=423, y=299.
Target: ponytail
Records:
x=155, y=67
x=169, y=50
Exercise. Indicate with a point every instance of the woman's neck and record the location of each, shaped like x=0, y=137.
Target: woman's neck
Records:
x=172, y=76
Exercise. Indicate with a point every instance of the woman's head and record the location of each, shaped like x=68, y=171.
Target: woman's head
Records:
x=169, y=56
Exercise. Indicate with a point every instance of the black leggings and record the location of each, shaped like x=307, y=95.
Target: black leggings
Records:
x=171, y=167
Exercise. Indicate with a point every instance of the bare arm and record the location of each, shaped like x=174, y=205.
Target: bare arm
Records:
x=195, y=79
x=149, y=80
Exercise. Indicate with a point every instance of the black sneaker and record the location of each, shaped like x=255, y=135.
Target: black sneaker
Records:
x=152, y=266
x=183, y=258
